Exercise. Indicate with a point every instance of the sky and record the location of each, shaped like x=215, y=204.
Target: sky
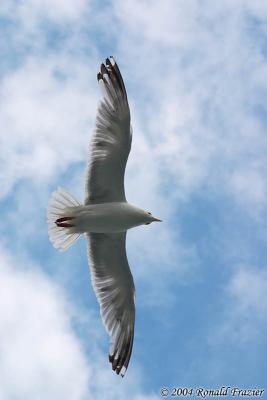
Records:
x=195, y=73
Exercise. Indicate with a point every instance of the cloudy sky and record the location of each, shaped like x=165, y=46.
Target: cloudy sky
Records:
x=195, y=72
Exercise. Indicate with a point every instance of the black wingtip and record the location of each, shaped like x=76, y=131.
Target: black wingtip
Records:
x=103, y=69
x=108, y=63
x=99, y=76
x=112, y=61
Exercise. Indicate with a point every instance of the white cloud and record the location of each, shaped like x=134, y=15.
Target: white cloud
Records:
x=47, y=117
x=179, y=24
x=250, y=188
x=40, y=355
x=29, y=23
x=162, y=22
x=234, y=331
x=30, y=12
x=243, y=319
x=248, y=288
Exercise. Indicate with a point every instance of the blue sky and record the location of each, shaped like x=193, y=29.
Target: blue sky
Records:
x=195, y=73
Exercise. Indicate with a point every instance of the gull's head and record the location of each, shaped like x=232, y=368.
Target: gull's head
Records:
x=149, y=218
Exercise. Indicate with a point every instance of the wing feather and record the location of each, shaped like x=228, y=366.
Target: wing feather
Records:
x=114, y=287
x=111, y=142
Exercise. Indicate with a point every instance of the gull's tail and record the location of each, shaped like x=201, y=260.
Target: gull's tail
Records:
x=60, y=219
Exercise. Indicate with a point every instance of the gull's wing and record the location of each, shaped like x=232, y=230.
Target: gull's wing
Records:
x=111, y=142
x=114, y=287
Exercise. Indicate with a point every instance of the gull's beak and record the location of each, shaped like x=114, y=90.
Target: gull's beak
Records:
x=156, y=219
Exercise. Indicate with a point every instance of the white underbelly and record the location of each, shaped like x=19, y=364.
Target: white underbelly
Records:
x=101, y=224
x=106, y=218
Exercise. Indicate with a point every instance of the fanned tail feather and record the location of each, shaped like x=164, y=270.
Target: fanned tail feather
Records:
x=60, y=218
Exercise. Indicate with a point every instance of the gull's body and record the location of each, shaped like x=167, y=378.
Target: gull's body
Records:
x=105, y=216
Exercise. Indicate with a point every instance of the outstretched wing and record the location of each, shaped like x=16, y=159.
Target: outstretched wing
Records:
x=114, y=287
x=111, y=142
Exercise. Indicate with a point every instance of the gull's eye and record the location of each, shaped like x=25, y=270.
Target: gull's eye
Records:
x=149, y=213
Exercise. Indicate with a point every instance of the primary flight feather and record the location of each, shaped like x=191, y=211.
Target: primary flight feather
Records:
x=105, y=216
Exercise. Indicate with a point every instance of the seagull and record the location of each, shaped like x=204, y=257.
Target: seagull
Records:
x=105, y=216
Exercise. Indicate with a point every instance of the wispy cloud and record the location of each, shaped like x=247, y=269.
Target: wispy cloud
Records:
x=32, y=12
x=244, y=318
x=43, y=104
x=40, y=354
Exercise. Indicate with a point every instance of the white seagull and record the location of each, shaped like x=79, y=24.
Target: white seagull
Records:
x=105, y=216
